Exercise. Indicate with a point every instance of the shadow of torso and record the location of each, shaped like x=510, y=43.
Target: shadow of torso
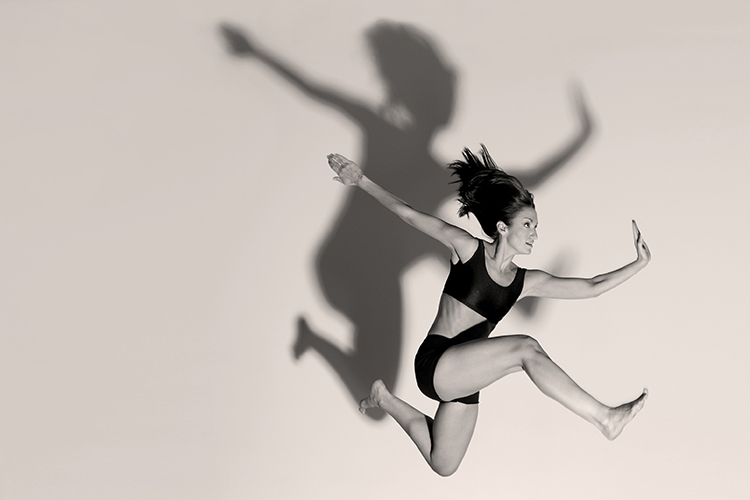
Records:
x=361, y=261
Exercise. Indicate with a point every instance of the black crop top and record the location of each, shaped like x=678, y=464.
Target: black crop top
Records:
x=470, y=284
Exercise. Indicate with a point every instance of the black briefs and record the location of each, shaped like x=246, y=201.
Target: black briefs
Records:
x=429, y=354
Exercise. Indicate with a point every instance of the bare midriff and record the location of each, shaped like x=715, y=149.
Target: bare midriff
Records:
x=453, y=317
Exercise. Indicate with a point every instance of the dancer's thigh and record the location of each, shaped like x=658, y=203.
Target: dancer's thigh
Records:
x=469, y=367
x=452, y=430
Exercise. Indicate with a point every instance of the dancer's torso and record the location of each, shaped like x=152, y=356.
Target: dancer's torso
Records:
x=471, y=296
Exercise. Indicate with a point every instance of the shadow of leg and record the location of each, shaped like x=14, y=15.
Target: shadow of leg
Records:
x=349, y=366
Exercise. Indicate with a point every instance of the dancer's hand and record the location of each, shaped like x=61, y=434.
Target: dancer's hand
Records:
x=237, y=42
x=347, y=172
x=644, y=254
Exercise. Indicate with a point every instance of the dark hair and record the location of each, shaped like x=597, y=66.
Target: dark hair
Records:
x=487, y=191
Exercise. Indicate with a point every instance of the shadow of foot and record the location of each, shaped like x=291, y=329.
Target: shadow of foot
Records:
x=346, y=364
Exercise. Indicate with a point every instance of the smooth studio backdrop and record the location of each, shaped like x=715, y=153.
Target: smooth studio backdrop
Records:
x=164, y=206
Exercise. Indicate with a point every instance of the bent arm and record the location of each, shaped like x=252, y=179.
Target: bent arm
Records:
x=535, y=176
x=542, y=284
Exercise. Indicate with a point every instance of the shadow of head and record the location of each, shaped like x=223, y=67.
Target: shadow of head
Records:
x=415, y=75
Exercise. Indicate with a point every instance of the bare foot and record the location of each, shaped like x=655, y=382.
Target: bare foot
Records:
x=378, y=391
x=619, y=417
x=301, y=344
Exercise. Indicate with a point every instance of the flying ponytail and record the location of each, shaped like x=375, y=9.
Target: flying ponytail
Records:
x=487, y=192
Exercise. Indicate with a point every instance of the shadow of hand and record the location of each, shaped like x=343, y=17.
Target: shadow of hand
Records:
x=237, y=42
x=581, y=108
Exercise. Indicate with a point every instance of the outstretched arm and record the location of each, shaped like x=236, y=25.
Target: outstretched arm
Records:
x=349, y=174
x=541, y=284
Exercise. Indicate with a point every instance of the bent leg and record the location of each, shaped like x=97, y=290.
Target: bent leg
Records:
x=442, y=441
x=451, y=434
x=472, y=366
x=466, y=368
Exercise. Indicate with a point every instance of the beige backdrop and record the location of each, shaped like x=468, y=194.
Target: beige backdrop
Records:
x=162, y=203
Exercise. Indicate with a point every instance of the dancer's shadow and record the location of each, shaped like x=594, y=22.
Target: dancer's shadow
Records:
x=360, y=262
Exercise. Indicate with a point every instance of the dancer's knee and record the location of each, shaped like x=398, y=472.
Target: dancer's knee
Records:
x=530, y=348
x=444, y=468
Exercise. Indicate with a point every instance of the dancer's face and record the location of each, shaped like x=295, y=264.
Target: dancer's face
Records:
x=521, y=233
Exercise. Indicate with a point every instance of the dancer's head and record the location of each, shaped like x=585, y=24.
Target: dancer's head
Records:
x=487, y=192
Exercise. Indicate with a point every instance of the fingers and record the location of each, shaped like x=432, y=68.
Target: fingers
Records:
x=334, y=163
x=337, y=162
x=332, y=160
x=337, y=158
x=348, y=173
x=640, y=243
x=636, y=231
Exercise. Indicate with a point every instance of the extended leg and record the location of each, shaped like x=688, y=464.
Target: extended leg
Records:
x=469, y=367
x=442, y=441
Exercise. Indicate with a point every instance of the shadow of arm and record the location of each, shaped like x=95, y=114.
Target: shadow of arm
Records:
x=240, y=45
x=541, y=172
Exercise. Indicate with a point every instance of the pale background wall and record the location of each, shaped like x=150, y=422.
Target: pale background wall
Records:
x=162, y=202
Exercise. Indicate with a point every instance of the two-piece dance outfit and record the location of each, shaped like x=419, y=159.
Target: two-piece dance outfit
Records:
x=469, y=283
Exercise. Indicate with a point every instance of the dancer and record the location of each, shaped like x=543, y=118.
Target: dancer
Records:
x=458, y=358
x=397, y=140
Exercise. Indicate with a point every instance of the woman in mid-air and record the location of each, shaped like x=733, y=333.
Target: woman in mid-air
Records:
x=458, y=358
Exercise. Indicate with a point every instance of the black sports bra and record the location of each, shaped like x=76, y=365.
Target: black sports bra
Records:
x=469, y=283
